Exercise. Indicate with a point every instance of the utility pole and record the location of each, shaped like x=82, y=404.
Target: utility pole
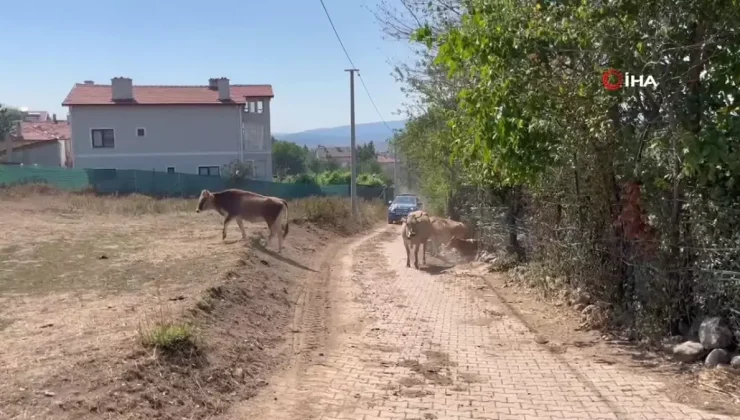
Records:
x=396, y=186
x=353, y=152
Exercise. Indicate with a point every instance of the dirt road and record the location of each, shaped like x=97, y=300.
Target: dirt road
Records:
x=377, y=340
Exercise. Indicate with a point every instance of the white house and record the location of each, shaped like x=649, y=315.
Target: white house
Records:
x=189, y=129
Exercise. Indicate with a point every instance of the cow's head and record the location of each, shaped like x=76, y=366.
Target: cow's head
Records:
x=205, y=202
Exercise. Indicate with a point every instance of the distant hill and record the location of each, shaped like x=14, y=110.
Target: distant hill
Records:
x=376, y=132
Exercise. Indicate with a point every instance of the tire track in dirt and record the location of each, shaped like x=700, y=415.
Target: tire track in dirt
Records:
x=312, y=331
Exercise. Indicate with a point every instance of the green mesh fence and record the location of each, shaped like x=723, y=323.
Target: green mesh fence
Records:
x=162, y=184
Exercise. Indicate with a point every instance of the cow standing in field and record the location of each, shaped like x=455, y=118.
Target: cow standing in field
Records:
x=416, y=231
x=444, y=230
x=243, y=205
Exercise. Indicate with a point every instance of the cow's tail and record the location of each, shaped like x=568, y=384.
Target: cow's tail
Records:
x=287, y=220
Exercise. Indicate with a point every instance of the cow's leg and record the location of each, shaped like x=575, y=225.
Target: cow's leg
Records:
x=408, y=254
x=275, y=231
x=424, y=252
x=416, y=256
x=241, y=226
x=227, y=220
x=279, y=232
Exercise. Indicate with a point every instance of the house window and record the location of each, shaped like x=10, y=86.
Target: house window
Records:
x=103, y=138
x=252, y=107
x=259, y=107
x=170, y=169
x=209, y=170
x=140, y=132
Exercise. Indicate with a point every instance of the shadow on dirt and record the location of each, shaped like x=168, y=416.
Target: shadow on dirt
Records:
x=434, y=269
x=257, y=244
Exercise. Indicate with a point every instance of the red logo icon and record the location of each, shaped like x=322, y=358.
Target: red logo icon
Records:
x=612, y=79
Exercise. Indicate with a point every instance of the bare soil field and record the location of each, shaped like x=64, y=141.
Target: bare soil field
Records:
x=89, y=286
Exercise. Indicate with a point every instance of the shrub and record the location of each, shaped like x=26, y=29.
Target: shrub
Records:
x=168, y=336
x=337, y=212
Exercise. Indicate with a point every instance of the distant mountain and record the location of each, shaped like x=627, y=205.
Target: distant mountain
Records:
x=376, y=132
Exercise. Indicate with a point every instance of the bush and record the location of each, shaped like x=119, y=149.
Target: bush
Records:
x=337, y=212
x=168, y=336
x=238, y=171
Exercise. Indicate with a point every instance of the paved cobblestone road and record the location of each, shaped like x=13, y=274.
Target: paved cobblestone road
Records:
x=399, y=343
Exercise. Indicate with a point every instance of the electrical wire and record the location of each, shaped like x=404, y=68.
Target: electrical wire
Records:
x=362, y=81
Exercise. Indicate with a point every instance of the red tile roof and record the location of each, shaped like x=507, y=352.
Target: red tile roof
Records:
x=44, y=131
x=385, y=159
x=89, y=94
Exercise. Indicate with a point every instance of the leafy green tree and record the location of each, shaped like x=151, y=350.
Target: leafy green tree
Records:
x=9, y=118
x=366, y=153
x=288, y=158
x=238, y=171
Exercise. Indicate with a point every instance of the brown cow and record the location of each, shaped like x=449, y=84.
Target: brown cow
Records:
x=242, y=205
x=466, y=247
x=444, y=230
x=415, y=231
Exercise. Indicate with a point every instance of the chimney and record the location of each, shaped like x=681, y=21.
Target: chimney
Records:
x=213, y=83
x=89, y=82
x=223, y=89
x=54, y=118
x=122, y=89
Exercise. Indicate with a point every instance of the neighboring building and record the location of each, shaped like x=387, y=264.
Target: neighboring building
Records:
x=39, y=143
x=341, y=155
x=387, y=163
x=36, y=116
x=189, y=129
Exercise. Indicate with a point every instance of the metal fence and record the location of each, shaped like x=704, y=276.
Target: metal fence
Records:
x=162, y=184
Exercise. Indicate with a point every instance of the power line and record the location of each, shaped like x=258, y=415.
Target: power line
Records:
x=364, y=86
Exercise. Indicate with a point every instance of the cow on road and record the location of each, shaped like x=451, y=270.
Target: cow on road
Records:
x=416, y=231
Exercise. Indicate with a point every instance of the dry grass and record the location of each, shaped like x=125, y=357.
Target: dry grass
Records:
x=336, y=212
x=128, y=205
x=86, y=278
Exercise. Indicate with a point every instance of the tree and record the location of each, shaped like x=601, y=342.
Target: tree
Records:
x=9, y=118
x=366, y=153
x=238, y=171
x=530, y=114
x=288, y=158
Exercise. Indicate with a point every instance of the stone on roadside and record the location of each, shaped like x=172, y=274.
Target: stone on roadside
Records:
x=715, y=333
x=689, y=352
x=717, y=357
x=735, y=362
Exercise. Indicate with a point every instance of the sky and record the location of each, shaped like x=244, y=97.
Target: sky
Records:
x=286, y=43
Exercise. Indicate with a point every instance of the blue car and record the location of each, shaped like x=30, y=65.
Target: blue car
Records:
x=401, y=206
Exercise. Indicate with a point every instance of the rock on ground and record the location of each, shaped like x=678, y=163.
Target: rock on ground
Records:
x=689, y=352
x=735, y=362
x=717, y=357
x=715, y=333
